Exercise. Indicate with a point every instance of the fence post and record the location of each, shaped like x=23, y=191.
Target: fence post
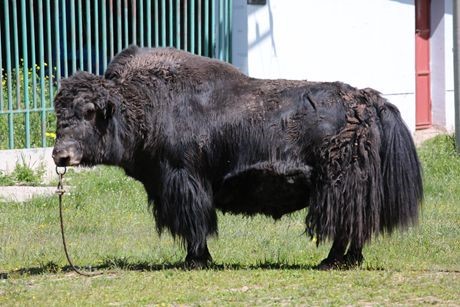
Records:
x=33, y=57
x=456, y=16
x=41, y=55
x=8, y=75
x=25, y=70
x=96, y=35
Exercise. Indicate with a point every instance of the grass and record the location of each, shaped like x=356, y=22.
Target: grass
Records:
x=257, y=261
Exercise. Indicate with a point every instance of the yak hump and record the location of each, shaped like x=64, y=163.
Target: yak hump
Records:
x=167, y=63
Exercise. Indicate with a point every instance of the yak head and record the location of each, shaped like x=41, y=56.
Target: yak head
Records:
x=86, y=130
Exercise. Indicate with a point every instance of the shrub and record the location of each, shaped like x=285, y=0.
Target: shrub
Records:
x=5, y=179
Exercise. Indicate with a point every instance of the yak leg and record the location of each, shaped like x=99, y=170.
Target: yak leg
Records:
x=335, y=258
x=354, y=256
x=189, y=213
x=197, y=256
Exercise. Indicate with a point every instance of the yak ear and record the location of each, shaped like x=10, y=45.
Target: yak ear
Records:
x=107, y=102
x=109, y=109
x=111, y=104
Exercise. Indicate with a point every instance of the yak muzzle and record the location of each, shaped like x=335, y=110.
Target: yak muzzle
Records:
x=67, y=153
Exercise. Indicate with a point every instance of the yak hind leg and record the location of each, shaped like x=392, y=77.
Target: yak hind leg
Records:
x=337, y=259
x=336, y=256
x=354, y=256
x=198, y=257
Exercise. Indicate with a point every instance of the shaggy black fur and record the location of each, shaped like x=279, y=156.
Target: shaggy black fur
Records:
x=202, y=136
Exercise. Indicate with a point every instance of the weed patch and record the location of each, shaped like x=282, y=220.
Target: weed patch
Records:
x=23, y=174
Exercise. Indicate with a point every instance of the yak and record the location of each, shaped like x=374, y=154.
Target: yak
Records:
x=201, y=136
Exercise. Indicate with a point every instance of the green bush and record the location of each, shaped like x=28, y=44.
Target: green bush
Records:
x=24, y=174
x=16, y=96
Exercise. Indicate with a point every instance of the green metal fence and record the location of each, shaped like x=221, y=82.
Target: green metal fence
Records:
x=43, y=41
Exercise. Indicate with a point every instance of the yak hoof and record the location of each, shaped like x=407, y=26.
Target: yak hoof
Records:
x=353, y=259
x=329, y=264
x=349, y=261
x=197, y=263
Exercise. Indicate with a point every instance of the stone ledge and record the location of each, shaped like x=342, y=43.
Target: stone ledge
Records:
x=34, y=158
x=24, y=193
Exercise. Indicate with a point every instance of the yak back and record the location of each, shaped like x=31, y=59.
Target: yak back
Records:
x=185, y=103
x=170, y=65
x=196, y=88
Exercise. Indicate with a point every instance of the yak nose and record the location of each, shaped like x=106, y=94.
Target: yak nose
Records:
x=61, y=157
x=66, y=153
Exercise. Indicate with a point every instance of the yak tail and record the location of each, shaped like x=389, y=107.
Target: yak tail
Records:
x=369, y=178
x=401, y=170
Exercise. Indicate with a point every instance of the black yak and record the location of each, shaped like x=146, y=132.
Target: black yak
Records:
x=200, y=136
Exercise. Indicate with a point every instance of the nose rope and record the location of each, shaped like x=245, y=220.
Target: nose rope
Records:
x=60, y=171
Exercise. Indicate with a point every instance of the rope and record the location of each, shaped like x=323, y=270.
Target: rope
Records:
x=60, y=191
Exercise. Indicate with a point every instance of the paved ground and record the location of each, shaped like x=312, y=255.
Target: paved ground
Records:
x=426, y=134
x=24, y=193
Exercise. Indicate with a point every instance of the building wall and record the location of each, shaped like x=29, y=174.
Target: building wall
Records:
x=442, y=83
x=449, y=66
x=361, y=42
x=438, y=59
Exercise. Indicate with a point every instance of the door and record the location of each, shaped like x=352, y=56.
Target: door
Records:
x=422, y=64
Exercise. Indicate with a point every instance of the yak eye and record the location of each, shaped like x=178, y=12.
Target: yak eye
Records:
x=89, y=112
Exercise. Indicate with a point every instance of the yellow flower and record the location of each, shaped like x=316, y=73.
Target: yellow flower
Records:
x=51, y=135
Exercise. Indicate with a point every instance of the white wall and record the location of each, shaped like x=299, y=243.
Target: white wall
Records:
x=449, y=67
x=366, y=43
x=442, y=83
x=438, y=60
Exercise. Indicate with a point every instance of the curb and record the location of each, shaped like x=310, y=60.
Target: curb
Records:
x=24, y=193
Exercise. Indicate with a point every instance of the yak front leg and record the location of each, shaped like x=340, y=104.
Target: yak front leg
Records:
x=198, y=256
x=188, y=211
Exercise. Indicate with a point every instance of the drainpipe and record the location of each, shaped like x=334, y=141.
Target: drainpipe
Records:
x=456, y=16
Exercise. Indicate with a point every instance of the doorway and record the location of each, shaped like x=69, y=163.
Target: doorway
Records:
x=423, y=115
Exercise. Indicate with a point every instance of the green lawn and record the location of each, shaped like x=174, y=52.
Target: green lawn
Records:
x=257, y=261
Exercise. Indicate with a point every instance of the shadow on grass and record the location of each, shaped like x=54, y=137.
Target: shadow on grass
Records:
x=123, y=264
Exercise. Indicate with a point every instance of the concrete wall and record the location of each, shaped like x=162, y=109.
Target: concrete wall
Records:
x=366, y=43
x=442, y=83
x=449, y=66
x=438, y=61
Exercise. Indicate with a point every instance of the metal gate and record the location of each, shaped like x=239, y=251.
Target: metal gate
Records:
x=42, y=41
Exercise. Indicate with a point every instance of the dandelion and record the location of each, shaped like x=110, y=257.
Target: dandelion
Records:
x=51, y=135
